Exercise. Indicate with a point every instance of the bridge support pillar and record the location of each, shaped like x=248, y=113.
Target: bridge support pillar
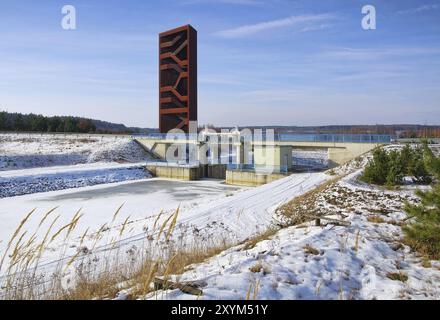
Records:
x=340, y=155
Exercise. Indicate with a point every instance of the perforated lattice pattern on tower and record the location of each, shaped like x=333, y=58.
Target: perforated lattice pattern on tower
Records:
x=178, y=78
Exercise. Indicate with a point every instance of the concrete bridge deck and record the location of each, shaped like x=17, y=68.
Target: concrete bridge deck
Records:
x=341, y=148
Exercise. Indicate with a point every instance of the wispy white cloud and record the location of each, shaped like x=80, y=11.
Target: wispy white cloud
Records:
x=377, y=53
x=425, y=7
x=317, y=27
x=369, y=76
x=247, y=30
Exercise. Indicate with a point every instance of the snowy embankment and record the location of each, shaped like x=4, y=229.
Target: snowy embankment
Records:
x=22, y=151
x=28, y=181
x=364, y=260
x=31, y=163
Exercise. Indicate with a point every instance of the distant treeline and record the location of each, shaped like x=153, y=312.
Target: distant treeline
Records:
x=39, y=123
x=19, y=122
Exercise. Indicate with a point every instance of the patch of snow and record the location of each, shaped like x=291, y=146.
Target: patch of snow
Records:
x=21, y=151
x=28, y=181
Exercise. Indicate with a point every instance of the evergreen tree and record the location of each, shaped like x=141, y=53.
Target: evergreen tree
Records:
x=406, y=158
x=396, y=169
x=391, y=168
x=19, y=123
x=423, y=233
x=377, y=170
x=69, y=125
x=419, y=167
x=3, y=125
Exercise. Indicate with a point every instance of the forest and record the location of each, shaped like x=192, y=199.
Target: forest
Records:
x=38, y=123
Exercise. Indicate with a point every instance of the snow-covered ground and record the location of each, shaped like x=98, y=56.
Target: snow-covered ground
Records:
x=28, y=181
x=37, y=168
x=21, y=151
x=213, y=207
x=92, y=176
x=80, y=176
x=365, y=260
x=31, y=163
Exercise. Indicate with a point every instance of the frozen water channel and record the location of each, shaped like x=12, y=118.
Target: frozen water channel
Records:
x=175, y=191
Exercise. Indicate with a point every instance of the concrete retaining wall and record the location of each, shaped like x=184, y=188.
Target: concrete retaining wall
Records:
x=180, y=173
x=339, y=156
x=215, y=171
x=250, y=178
x=188, y=173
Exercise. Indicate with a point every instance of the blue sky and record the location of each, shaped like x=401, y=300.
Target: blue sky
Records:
x=274, y=62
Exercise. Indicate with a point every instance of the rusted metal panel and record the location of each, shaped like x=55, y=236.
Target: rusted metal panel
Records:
x=177, y=78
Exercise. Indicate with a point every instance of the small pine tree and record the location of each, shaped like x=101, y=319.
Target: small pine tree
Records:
x=406, y=158
x=396, y=169
x=417, y=166
x=423, y=233
x=431, y=162
x=391, y=168
x=377, y=169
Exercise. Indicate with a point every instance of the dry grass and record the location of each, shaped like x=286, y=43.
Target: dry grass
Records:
x=381, y=210
x=397, y=276
x=308, y=249
x=300, y=209
x=252, y=242
x=253, y=290
x=256, y=268
x=103, y=287
x=421, y=248
x=426, y=263
x=89, y=275
x=259, y=268
x=356, y=242
x=375, y=219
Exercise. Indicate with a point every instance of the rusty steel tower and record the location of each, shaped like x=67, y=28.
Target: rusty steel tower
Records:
x=177, y=78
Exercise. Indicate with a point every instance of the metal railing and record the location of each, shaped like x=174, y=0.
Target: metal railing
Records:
x=287, y=137
x=163, y=136
x=353, y=138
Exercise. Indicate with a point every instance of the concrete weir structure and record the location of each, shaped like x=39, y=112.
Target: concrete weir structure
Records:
x=253, y=178
x=271, y=159
x=186, y=172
